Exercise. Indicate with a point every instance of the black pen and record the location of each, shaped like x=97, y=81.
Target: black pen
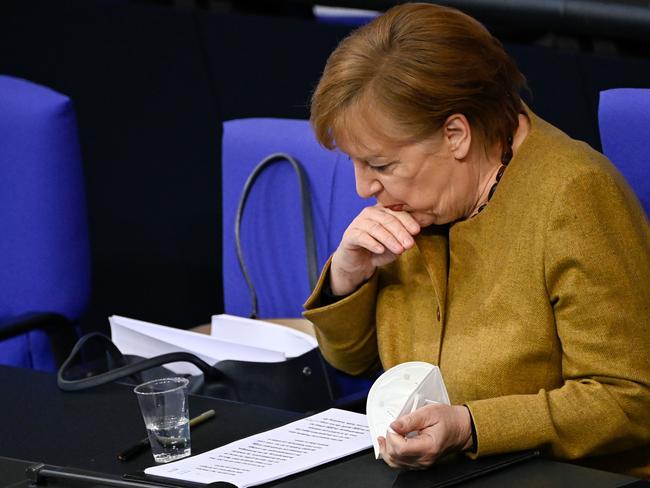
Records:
x=143, y=444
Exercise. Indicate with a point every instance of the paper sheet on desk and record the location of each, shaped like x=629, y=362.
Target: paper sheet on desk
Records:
x=262, y=334
x=276, y=453
x=145, y=339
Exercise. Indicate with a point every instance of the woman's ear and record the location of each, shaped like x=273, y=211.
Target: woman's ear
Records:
x=458, y=135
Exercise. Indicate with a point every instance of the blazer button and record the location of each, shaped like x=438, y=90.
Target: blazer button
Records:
x=438, y=313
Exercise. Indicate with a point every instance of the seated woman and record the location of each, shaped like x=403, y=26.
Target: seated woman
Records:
x=510, y=255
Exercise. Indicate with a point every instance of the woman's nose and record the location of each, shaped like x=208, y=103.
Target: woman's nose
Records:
x=366, y=182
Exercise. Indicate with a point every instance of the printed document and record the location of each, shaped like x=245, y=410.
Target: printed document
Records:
x=276, y=453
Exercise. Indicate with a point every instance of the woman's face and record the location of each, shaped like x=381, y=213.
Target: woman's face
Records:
x=424, y=178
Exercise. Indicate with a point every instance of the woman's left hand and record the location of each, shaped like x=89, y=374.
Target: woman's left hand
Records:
x=437, y=429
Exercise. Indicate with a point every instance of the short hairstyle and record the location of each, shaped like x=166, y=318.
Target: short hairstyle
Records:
x=419, y=63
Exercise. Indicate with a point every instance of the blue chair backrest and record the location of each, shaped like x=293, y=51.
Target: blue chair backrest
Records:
x=624, y=120
x=44, y=248
x=272, y=226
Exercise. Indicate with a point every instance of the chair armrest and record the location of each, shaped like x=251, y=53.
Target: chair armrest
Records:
x=60, y=330
x=20, y=324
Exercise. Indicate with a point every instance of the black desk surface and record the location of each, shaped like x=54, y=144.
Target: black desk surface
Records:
x=86, y=430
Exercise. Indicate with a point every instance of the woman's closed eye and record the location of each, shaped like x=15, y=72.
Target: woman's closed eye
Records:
x=384, y=168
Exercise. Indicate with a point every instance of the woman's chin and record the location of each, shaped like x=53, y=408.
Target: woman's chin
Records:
x=425, y=219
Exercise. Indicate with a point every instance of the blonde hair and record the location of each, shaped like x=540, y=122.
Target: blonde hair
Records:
x=418, y=64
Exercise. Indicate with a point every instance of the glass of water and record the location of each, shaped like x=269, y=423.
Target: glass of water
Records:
x=164, y=406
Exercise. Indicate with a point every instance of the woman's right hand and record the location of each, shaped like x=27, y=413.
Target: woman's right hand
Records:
x=376, y=237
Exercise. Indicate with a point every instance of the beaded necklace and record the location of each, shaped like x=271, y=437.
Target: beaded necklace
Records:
x=505, y=160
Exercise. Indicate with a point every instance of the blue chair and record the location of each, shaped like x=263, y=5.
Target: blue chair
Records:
x=272, y=234
x=44, y=248
x=624, y=121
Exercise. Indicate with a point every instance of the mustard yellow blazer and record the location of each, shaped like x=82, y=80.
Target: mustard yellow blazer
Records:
x=537, y=310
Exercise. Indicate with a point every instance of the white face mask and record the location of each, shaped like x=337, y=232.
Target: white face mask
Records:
x=399, y=391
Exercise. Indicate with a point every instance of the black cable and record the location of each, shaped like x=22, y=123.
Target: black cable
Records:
x=128, y=369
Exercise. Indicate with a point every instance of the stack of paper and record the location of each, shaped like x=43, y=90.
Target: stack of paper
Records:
x=232, y=338
x=266, y=335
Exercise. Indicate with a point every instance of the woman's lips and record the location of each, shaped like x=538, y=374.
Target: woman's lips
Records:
x=398, y=207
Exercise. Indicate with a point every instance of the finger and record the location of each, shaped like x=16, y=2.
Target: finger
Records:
x=390, y=236
x=421, y=445
x=384, y=453
x=395, y=455
x=392, y=463
x=396, y=224
x=357, y=238
x=407, y=220
x=419, y=419
x=401, y=224
x=414, y=453
x=396, y=446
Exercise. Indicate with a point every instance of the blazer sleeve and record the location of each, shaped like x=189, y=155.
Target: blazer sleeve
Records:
x=597, y=268
x=346, y=329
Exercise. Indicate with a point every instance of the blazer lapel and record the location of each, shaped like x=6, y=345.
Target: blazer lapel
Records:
x=433, y=244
